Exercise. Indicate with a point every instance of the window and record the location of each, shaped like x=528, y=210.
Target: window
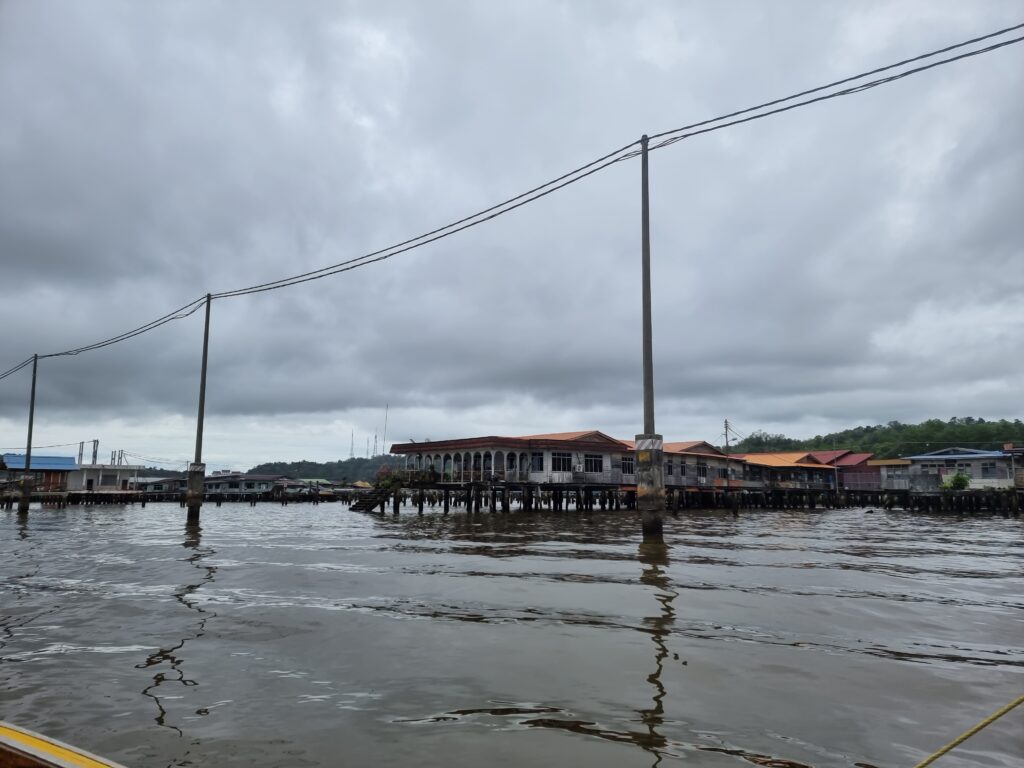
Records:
x=988, y=469
x=593, y=462
x=723, y=473
x=627, y=465
x=702, y=469
x=682, y=468
x=669, y=466
x=233, y=485
x=537, y=461
x=561, y=462
x=108, y=479
x=250, y=486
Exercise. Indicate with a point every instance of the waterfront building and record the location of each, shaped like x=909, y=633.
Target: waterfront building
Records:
x=986, y=469
x=855, y=473
x=587, y=457
x=793, y=470
x=232, y=483
x=49, y=473
x=103, y=478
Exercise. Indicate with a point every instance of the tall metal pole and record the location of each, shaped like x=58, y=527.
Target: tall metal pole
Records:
x=197, y=470
x=26, y=479
x=650, y=484
x=645, y=257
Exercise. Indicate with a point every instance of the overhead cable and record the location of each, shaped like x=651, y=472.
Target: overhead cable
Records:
x=623, y=153
x=835, y=94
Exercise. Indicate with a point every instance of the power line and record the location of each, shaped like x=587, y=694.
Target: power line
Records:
x=472, y=220
x=577, y=174
x=843, y=81
x=15, y=369
x=845, y=92
x=34, y=447
x=178, y=314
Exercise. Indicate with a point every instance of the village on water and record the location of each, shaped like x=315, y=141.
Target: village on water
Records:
x=584, y=470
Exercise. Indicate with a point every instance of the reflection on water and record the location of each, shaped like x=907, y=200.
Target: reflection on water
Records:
x=169, y=661
x=654, y=556
x=774, y=639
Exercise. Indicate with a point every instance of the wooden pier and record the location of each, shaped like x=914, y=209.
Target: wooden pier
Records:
x=527, y=497
x=476, y=497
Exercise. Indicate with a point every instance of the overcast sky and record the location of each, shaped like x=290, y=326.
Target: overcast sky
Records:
x=853, y=262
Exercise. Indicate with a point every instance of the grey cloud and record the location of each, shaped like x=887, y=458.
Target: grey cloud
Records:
x=149, y=154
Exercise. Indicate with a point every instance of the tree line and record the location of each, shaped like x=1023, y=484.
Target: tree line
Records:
x=892, y=440
x=341, y=471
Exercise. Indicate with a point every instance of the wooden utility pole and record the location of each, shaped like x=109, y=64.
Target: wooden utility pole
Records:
x=197, y=470
x=26, y=478
x=650, y=479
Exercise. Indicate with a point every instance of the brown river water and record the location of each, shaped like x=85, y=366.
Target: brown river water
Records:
x=315, y=636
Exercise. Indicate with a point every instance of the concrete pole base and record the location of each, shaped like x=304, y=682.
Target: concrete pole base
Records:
x=651, y=524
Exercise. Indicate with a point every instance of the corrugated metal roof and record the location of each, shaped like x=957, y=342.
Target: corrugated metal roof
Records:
x=789, y=459
x=566, y=435
x=959, y=456
x=827, y=457
x=853, y=459
x=41, y=463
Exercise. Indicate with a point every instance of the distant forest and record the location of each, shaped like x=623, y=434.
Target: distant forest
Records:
x=894, y=439
x=347, y=471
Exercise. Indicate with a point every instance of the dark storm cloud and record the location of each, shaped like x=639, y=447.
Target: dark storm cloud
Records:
x=858, y=260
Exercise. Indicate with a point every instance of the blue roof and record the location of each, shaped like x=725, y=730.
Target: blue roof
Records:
x=41, y=463
x=959, y=456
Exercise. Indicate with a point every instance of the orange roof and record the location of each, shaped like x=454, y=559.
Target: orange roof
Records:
x=566, y=435
x=787, y=459
x=685, y=447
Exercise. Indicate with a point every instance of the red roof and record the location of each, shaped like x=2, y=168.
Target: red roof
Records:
x=854, y=459
x=829, y=457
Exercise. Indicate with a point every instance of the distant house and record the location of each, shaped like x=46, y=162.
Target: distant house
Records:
x=240, y=483
x=787, y=470
x=854, y=470
x=103, y=478
x=160, y=484
x=986, y=469
x=49, y=473
x=893, y=474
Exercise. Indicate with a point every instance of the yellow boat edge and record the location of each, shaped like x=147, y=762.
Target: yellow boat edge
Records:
x=22, y=748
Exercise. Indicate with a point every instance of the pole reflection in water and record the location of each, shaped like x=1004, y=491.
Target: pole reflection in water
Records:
x=654, y=555
x=171, y=655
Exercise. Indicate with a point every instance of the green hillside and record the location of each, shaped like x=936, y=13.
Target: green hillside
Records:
x=347, y=471
x=894, y=439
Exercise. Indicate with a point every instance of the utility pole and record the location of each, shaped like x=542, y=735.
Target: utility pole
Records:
x=650, y=478
x=727, y=459
x=26, y=478
x=384, y=438
x=352, y=446
x=197, y=470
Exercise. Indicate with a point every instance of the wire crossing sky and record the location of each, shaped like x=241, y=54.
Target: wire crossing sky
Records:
x=571, y=177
